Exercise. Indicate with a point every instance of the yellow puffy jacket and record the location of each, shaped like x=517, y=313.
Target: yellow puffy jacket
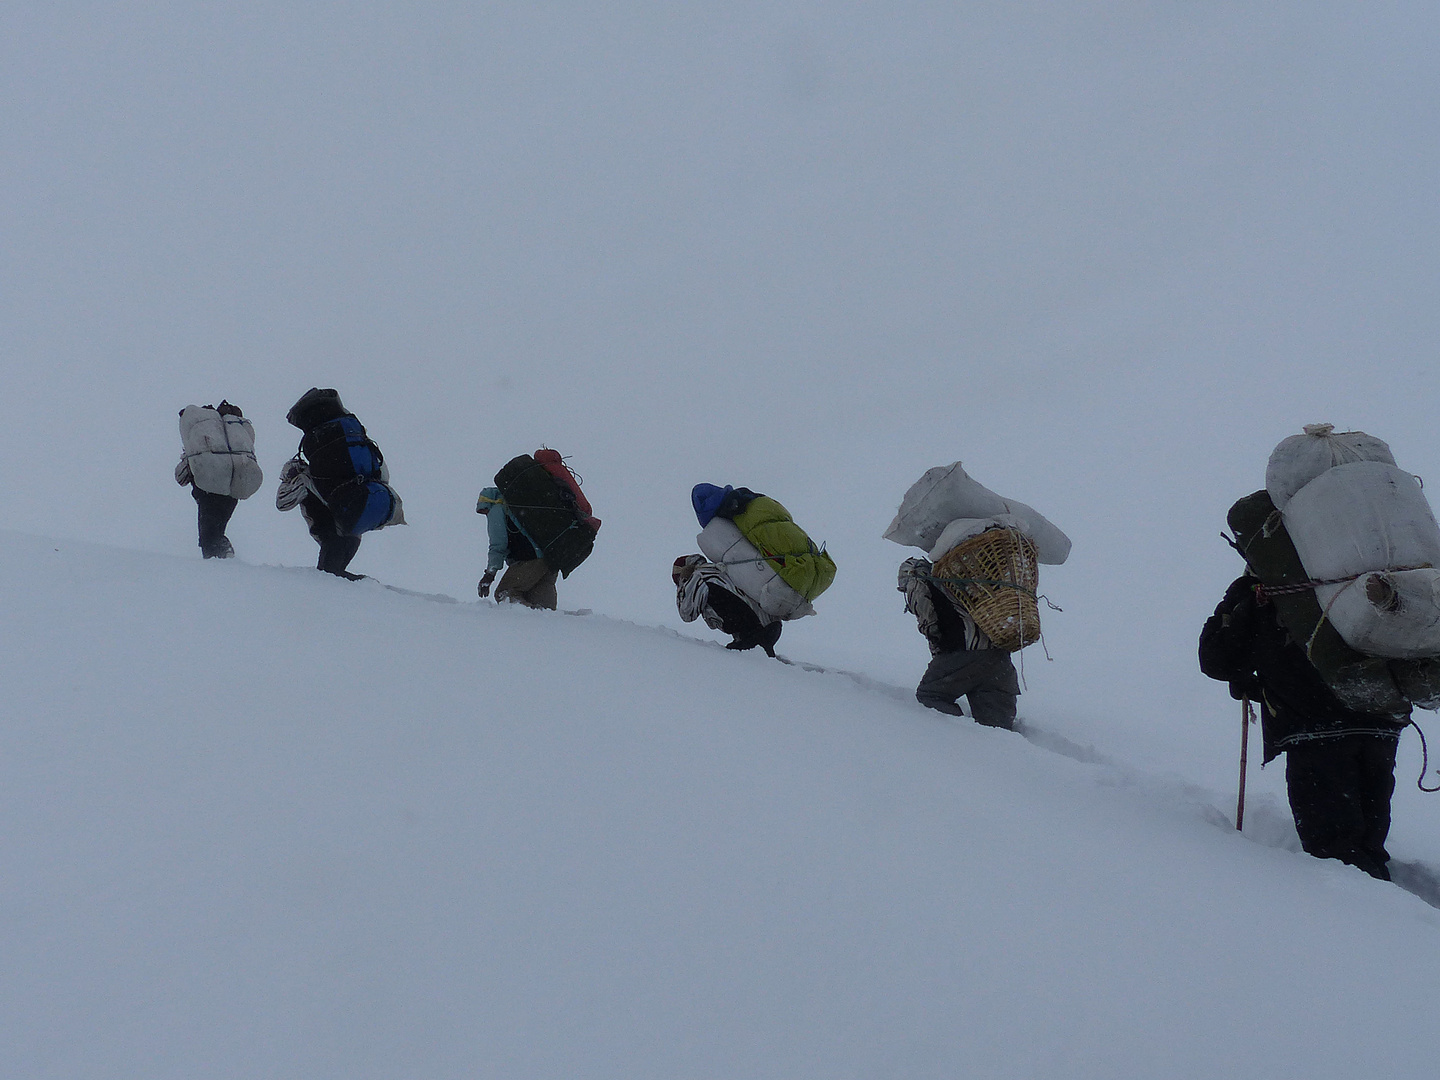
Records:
x=800, y=564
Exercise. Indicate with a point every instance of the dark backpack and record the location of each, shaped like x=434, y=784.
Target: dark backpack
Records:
x=361, y=505
x=345, y=468
x=339, y=451
x=1364, y=683
x=345, y=464
x=546, y=511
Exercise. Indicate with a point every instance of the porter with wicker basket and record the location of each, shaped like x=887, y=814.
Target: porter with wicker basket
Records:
x=993, y=578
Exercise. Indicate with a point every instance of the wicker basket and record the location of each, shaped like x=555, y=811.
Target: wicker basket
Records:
x=992, y=578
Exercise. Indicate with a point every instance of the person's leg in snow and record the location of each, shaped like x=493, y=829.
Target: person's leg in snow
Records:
x=336, y=550
x=1339, y=792
x=1377, y=785
x=984, y=677
x=213, y=514
x=530, y=582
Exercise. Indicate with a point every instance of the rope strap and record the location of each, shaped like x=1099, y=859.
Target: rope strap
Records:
x=1263, y=591
x=984, y=581
x=765, y=555
x=1424, y=761
x=1037, y=597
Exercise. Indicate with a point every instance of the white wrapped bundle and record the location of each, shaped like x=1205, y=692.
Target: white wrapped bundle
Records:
x=750, y=572
x=962, y=529
x=947, y=493
x=221, y=452
x=1301, y=458
x=1395, y=614
x=1368, y=524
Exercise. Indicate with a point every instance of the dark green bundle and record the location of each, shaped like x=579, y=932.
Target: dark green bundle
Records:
x=1365, y=683
x=546, y=513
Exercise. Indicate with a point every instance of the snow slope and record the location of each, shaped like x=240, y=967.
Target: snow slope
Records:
x=258, y=822
x=1108, y=254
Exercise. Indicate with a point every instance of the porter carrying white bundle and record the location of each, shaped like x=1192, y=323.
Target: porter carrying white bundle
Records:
x=984, y=550
x=947, y=505
x=219, y=451
x=1366, y=536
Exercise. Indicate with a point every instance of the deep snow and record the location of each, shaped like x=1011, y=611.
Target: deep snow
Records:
x=262, y=822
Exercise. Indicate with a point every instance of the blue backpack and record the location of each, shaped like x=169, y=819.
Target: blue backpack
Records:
x=362, y=505
x=345, y=466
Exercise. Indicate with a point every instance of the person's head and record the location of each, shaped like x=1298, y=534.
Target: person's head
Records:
x=226, y=409
x=685, y=567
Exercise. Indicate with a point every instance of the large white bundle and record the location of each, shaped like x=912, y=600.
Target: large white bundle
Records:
x=221, y=452
x=947, y=493
x=962, y=529
x=1368, y=524
x=724, y=543
x=1395, y=615
x=1361, y=517
x=1301, y=458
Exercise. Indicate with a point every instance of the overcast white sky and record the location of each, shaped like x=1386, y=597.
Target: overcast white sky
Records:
x=1106, y=254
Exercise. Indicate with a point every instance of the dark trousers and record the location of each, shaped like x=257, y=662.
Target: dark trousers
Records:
x=336, y=551
x=531, y=583
x=740, y=622
x=213, y=512
x=984, y=677
x=1340, y=795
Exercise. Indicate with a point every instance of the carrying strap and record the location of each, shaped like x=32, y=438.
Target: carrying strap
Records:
x=1424, y=760
x=778, y=558
x=362, y=439
x=995, y=584
x=1264, y=592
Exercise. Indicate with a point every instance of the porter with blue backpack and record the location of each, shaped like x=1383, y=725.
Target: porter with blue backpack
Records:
x=338, y=479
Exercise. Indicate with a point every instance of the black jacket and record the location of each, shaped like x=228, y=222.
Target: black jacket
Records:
x=1244, y=644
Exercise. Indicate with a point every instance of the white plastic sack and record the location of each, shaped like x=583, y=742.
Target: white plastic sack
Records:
x=1403, y=625
x=221, y=452
x=1301, y=458
x=1363, y=518
x=750, y=572
x=946, y=493
x=962, y=529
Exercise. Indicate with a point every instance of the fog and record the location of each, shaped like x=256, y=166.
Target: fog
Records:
x=1106, y=254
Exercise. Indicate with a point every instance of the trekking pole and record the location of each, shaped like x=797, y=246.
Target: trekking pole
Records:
x=1245, y=716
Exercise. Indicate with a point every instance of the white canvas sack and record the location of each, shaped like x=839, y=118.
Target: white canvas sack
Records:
x=946, y=493
x=1364, y=520
x=220, y=451
x=1301, y=458
x=962, y=529
x=751, y=573
x=1403, y=625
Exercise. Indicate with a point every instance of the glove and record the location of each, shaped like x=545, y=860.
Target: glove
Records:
x=1247, y=686
x=291, y=469
x=484, y=587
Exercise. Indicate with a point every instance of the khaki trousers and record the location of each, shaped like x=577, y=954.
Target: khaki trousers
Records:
x=531, y=583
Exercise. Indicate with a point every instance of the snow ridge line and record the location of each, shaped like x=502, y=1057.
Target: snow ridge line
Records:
x=1269, y=823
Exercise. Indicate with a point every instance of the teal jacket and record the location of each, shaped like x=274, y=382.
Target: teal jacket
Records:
x=489, y=501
